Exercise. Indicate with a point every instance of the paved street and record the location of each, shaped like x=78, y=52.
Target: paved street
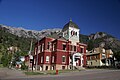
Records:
x=93, y=74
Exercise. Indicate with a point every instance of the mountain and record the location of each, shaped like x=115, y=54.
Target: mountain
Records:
x=105, y=40
x=97, y=39
x=21, y=32
x=20, y=39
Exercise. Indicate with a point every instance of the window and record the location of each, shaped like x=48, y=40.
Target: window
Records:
x=103, y=56
x=64, y=46
x=90, y=57
x=54, y=46
x=53, y=67
x=76, y=33
x=82, y=61
x=71, y=47
x=96, y=60
x=42, y=47
x=91, y=63
x=41, y=59
x=47, y=58
x=39, y=48
x=81, y=50
x=35, y=50
x=46, y=68
x=74, y=48
x=108, y=61
x=63, y=67
x=48, y=45
x=72, y=33
x=63, y=59
x=96, y=57
x=34, y=61
x=53, y=59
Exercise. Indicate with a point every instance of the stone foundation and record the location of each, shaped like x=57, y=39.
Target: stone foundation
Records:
x=44, y=67
x=61, y=67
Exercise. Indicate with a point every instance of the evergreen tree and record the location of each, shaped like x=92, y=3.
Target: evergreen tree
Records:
x=90, y=45
x=117, y=55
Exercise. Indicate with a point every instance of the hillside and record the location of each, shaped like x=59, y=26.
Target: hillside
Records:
x=105, y=40
x=21, y=32
x=7, y=40
x=12, y=39
x=17, y=36
x=21, y=38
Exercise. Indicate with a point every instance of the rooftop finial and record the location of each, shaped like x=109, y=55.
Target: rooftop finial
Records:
x=70, y=19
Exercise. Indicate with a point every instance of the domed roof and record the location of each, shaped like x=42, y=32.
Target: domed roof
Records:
x=70, y=24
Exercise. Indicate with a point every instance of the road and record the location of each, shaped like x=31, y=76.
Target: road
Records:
x=93, y=74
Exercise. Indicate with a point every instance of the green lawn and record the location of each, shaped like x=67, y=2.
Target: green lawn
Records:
x=34, y=73
x=1, y=66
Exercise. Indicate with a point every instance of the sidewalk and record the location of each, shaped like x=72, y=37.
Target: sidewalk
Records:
x=9, y=73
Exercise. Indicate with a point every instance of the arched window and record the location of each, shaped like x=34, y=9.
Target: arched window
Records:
x=76, y=33
x=72, y=33
x=63, y=59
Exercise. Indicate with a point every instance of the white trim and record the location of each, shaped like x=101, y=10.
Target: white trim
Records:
x=80, y=55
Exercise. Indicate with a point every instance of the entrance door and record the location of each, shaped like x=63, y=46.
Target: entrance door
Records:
x=77, y=59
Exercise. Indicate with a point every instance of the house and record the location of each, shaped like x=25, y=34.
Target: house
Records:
x=64, y=51
x=99, y=57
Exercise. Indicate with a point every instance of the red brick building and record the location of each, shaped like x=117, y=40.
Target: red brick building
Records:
x=61, y=52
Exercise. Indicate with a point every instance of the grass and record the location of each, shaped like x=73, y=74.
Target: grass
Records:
x=50, y=72
x=66, y=71
x=1, y=65
x=40, y=73
x=34, y=73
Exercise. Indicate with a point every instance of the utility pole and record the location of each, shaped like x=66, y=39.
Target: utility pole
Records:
x=37, y=55
x=30, y=55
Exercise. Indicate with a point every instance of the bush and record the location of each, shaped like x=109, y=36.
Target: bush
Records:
x=24, y=67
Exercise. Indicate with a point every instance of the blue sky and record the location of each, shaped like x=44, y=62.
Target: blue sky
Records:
x=91, y=15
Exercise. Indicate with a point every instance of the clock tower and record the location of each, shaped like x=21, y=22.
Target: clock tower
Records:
x=71, y=32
